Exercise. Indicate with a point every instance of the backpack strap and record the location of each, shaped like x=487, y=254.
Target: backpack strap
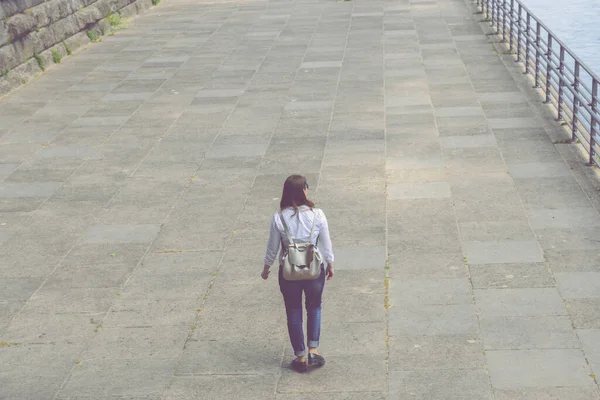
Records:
x=312, y=230
x=285, y=227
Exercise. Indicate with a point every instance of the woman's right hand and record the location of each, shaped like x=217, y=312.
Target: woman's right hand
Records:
x=329, y=271
x=266, y=272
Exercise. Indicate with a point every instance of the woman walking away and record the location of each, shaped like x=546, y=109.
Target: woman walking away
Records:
x=299, y=227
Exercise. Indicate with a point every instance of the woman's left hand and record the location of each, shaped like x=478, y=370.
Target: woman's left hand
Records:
x=266, y=272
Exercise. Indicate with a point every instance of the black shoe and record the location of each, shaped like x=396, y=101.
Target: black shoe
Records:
x=300, y=366
x=315, y=360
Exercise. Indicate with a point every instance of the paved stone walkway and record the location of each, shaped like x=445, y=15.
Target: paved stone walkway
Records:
x=138, y=179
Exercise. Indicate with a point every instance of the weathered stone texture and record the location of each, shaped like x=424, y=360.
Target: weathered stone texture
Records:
x=35, y=26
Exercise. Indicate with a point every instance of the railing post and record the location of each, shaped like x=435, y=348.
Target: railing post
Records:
x=561, y=70
x=498, y=16
x=504, y=21
x=510, y=21
x=593, y=131
x=538, y=32
x=575, y=102
x=493, y=10
x=527, y=42
x=519, y=33
x=548, y=68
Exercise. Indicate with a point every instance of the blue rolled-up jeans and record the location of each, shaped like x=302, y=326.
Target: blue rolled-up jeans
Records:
x=292, y=296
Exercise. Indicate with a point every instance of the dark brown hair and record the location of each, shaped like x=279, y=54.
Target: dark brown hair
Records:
x=293, y=193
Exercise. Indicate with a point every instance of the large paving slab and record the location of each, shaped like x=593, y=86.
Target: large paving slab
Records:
x=137, y=180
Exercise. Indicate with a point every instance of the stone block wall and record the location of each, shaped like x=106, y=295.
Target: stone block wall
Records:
x=31, y=29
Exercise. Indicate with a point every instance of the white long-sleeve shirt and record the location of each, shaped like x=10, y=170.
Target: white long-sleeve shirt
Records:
x=299, y=227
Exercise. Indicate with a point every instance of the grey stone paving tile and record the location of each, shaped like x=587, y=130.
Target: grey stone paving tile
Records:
x=19, y=288
x=407, y=101
x=429, y=265
x=228, y=357
x=22, y=358
x=509, y=111
x=69, y=153
x=432, y=320
x=73, y=300
x=212, y=322
x=100, y=121
x=415, y=162
x=573, y=260
x=89, y=276
x=519, y=302
x=350, y=308
x=28, y=133
x=571, y=393
x=528, y=150
x=416, y=175
x=539, y=170
x=25, y=190
x=22, y=384
x=484, y=231
x=551, y=193
x=499, y=276
x=359, y=258
x=426, y=242
x=412, y=119
x=440, y=384
x=399, y=191
x=6, y=170
x=467, y=160
x=430, y=292
x=453, y=142
x=503, y=251
x=127, y=97
x=30, y=258
x=162, y=342
x=564, y=218
x=113, y=377
x=531, y=332
x=121, y=234
x=17, y=152
x=321, y=64
x=350, y=339
x=347, y=282
x=584, y=312
x=8, y=309
x=435, y=353
x=461, y=126
x=254, y=387
x=104, y=254
x=569, y=239
x=160, y=264
x=578, y=285
x=151, y=312
x=590, y=339
x=38, y=328
x=510, y=369
x=178, y=285
x=335, y=396
x=218, y=93
x=507, y=123
x=36, y=172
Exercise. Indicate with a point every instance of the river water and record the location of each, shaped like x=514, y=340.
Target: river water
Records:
x=576, y=23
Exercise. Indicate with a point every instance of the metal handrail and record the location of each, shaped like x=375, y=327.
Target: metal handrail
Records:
x=568, y=84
